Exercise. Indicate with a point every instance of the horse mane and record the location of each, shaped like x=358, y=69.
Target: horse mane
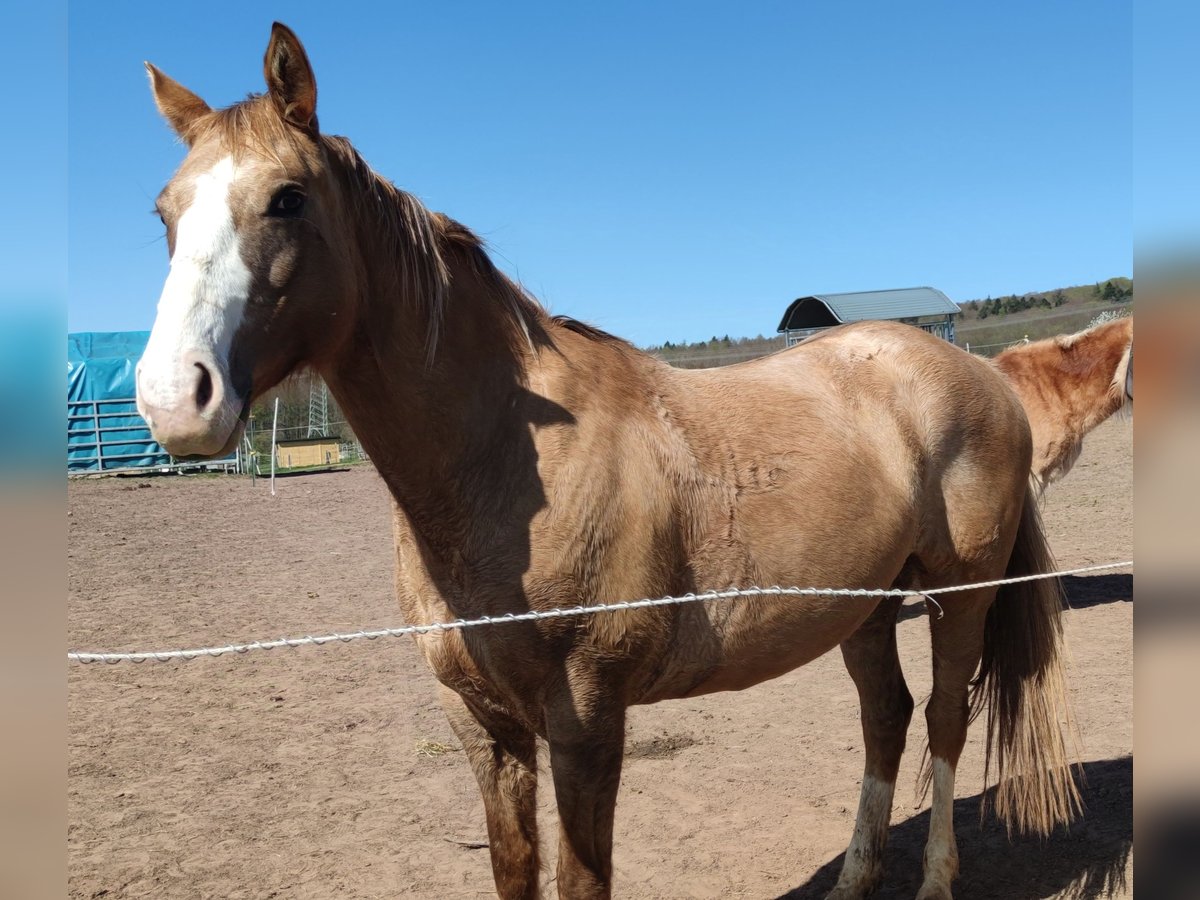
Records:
x=408, y=218
x=521, y=311
x=408, y=230
x=589, y=331
x=526, y=312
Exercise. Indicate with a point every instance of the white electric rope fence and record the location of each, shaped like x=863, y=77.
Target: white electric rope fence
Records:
x=459, y=624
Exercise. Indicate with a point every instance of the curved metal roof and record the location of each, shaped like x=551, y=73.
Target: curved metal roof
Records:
x=901, y=303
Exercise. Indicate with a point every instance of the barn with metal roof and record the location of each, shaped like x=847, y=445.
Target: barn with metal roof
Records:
x=925, y=307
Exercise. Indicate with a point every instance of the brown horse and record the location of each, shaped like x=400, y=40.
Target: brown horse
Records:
x=536, y=462
x=1069, y=385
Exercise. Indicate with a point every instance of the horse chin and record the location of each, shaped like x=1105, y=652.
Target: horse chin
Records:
x=231, y=443
x=234, y=439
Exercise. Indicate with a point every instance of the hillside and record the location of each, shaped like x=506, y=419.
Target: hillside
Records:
x=990, y=323
x=986, y=324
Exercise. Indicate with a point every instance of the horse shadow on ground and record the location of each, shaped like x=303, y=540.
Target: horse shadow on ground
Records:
x=1083, y=862
x=1082, y=591
x=1094, y=590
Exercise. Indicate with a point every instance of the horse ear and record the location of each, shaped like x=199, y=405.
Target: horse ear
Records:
x=179, y=106
x=290, y=80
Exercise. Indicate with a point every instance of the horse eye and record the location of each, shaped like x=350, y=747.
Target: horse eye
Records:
x=288, y=202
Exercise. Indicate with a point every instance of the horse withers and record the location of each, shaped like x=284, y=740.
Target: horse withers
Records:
x=536, y=462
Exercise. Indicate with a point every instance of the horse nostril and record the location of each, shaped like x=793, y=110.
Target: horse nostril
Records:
x=204, y=390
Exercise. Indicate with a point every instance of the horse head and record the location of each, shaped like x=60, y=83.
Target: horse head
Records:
x=259, y=260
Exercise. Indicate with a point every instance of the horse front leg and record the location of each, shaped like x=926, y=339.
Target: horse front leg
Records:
x=503, y=755
x=587, y=743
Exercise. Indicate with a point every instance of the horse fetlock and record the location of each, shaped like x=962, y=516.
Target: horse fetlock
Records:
x=941, y=868
x=935, y=891
x=860, y=884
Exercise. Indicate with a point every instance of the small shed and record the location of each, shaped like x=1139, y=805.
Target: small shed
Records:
x=312, y=451
x=925, y=307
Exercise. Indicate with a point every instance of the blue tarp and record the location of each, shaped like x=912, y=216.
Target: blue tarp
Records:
x=104, y=430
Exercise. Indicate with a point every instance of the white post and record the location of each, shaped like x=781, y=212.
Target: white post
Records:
x=274, y=423
x=968, y=346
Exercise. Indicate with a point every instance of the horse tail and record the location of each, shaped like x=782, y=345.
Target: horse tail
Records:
x=1021, y=683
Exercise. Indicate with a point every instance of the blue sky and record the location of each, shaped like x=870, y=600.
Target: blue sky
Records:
x=1166, y=130
x=667, y=171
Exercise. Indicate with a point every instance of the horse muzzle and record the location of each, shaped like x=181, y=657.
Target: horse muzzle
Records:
x=189, y=405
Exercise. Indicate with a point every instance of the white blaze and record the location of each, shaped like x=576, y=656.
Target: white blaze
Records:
x=203, y=299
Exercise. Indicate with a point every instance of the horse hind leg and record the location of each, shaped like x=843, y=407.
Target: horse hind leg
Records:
x=503, y=756
x=886, y=709
x=1014, y=637
x=957, y=649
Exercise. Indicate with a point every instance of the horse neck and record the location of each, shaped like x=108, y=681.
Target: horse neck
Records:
x=432, y=422
x=1082, y=374
x=1096, y=397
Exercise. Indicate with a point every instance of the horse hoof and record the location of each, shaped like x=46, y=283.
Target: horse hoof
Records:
x=849, y=892
x=935, y=892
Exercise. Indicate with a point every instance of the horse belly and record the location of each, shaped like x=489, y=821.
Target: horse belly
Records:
x=770, y=643
x=861, y=541
x=736, y=643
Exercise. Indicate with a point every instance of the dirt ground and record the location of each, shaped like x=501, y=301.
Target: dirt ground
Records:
x=330, y=772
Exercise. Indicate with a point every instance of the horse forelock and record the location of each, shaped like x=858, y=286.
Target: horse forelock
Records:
x=253, y=127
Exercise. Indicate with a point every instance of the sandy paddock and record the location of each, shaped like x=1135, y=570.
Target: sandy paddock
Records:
x=331, y=772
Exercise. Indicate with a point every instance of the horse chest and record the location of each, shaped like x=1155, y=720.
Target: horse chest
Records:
x=481, y=670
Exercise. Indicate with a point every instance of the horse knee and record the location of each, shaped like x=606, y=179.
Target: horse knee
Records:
x=885, y=730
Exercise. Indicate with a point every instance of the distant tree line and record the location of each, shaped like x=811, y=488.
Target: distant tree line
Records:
x=1117, y=290
x=713, y=343
x=1112, y=292
x=1013, y=303
x=748, y=346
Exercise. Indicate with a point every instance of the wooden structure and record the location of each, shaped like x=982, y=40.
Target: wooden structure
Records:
x=323, y=450
x=925, y=307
